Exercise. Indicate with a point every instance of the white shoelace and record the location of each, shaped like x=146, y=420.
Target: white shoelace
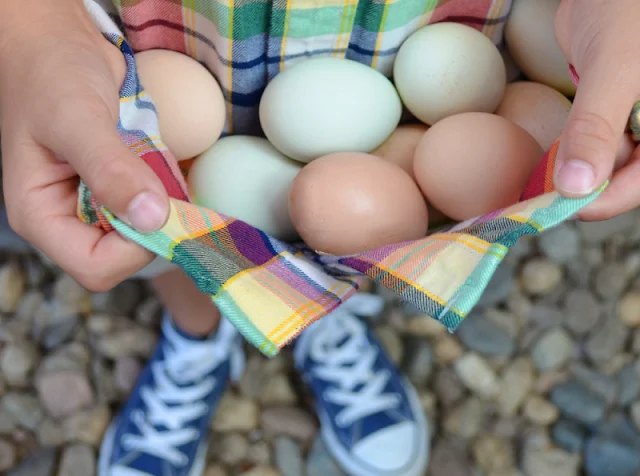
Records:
x=349, y=365
x=186, y=363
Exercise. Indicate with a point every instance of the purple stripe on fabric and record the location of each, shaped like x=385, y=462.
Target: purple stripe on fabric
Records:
x=251, y=243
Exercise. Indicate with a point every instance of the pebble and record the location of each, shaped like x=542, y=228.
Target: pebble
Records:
x=67, y=290
x=8, y=456
x=493, y=453
x=288, y=457
x=50, y=433
x=569, y=435
x=278, y=390
x=236, y=413
x=477, y=375
x=482, y=335
x=288, y=421
x=577, y=402
x=149, y=312
x=603, y=385
x=136, y=341
x=606, y=340
x=261, y=471
x=121, y=300
x=516, y=382
x=447, y=349
x=424, y=326
x=77, y=460
x=126, y=372
x=391, y=343
x=260, y=453
x=581, y=311
x=232, y=448
x=500, y=286
x=553, y=350
x=418, y=362
x=544, y=316
x=25, y=408
x=88, y=426
x=63, y=392
x=13, y=285
x=320, y=463
x=17, y=362
x=628, y=385
x=540, y=276
x=8, y=422
x=560, y=244
x=596, y=232
x=467, y=419
x=611, y=280
x=73, y=357
x=40, y=463
x=550, y=462
x=629, y=309
x=635, y=414
x=448, y=459
x=448, y=387
x=540, y=411
x=215, y=470
x=610, y=458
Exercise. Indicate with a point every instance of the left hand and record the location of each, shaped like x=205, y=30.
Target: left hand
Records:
x=600, y=40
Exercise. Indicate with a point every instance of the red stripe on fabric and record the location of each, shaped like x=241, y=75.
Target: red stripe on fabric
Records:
x=154, y=35
x=170, y=176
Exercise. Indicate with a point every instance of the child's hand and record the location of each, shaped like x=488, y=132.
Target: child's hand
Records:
x=59, y=84
x=600, y=39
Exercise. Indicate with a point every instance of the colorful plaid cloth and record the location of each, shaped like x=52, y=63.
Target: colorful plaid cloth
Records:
x=272, y=290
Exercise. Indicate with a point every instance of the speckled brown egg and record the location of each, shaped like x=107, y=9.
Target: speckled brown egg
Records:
x=347, y=203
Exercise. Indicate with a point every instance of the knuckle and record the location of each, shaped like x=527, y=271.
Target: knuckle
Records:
x=590, y=133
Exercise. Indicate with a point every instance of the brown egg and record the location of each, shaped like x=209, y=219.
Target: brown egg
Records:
x=401, y=145
x=347, y=203
x=538, y=109
x=474, y=163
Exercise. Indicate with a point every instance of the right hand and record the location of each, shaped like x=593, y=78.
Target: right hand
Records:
x=59, y=106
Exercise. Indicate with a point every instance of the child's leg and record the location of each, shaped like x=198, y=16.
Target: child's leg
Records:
x=193, y=311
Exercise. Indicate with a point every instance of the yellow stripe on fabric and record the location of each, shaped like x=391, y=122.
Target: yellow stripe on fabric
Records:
x=188, y=9
x=429, y=8
x=230, y=67
x=135, y=97
x=496, y=12
x=415, y=284
x=385, y=11
x=348, y=14
x=285, y=32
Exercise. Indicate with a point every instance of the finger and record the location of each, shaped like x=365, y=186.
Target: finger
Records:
x=86, y=136
x=621, y=196
x=594, y=129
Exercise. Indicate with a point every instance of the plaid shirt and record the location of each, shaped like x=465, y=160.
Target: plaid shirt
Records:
x=268, y=289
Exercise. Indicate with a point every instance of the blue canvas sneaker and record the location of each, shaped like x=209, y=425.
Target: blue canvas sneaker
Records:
x=162, y=429
x=371, y=418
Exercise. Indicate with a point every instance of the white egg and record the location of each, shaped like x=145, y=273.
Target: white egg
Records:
x=326, y=105
x=246, y=178
x=529, y=34
x=448, y=68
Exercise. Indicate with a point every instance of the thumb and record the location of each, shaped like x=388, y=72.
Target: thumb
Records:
x=594, y=129
x=88, y=140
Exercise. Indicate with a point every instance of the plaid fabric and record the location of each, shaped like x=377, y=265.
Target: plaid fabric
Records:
x=272, y=290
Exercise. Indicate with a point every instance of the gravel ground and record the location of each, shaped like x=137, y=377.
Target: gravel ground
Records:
x=542, y=380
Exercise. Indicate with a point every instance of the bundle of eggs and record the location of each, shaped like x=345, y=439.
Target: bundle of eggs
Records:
x=336, y=167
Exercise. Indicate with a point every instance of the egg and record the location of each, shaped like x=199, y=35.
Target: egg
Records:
x=401, y=145
x=347, y=203
x=246, y=178
x=530, y=38
x=538, y=109
x=325, y=105
x=449, y=68
x=189, y=101
x=474, y=163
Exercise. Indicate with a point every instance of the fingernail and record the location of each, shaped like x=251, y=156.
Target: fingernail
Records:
x=576, y=177
x=147, y=212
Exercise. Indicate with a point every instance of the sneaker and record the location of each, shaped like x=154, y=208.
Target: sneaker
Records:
x=370, y=415
x=163, y=427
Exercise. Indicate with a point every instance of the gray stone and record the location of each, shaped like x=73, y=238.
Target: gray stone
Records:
x=553, y=350
x=126, y=372
x=63, y=393
x=288, y=457
x=13, y=285
x=8, y=455
x=391, y=343
x=628, y=384
x=288, y=421
x=560, y=244
x=467, y=419
x=580, y=273
x=477, y=375
x=611, y=280
x=40, y=463
x=595, y=232
x=121, y=300
x=544, y=317
x=448, y=387
x=87, y=426
x=236, y=413
x=77, y=460
x=73, y=357
x=25, y=408
x=569, y=435
x=540, y=276
x=577, y=402
x=481, y=335
x=448, y=459
x=76, y=297
x=17, y=362
x=320, y=463
x=516, y=383
x=609, y=458
x=603, y=385
x=418, y=361
x=618, y=428
x=550, y=462
x=606, y=340
x=502, y=283
x=149, y=312
x=233, y=448
x=134, y=341
x=582, y=311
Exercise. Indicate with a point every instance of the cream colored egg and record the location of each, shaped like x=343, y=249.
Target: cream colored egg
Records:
x=449, y=68
x=401, y=145
x=189, y=101
x=529, y=34
x=247, y=178
x=326, y=105
x=538, y=109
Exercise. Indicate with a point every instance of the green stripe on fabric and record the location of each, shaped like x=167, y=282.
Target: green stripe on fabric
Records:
x=158, y=242
x=249, y=19
x=397, y=16
x=309, y=23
